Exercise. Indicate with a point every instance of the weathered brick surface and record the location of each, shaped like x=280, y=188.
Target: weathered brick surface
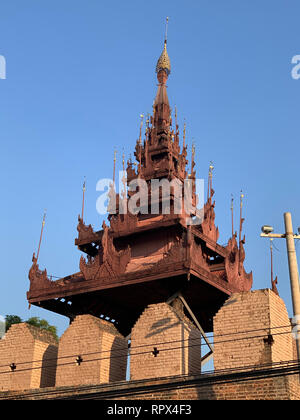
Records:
x=175, y=337
x=242, y=326
x=34, y=353
x=102, y=348
x=193, y=388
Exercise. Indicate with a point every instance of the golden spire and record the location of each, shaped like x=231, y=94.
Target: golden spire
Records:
x=163, y=62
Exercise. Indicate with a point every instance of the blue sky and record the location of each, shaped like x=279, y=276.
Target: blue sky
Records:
x=79, y=74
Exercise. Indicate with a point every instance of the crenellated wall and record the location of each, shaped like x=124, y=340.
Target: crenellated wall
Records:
x=176, y=339
x=253, y=354
x=101, y=348
x=252, y=328
x=33, y=353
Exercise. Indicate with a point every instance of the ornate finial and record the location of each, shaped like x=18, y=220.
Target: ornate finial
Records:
x=241, y=218
x=273, y=282
x=83, y=194
x=166, y=33
x=124, y=176
x=123, y=160
x=115, y=159
x=44, y=217
x=41, y=235
x=193, y=150
x=231, y=208
x=241, y=198
x=163, y=62
x=141, y=126
x=140, y=145
x=83, y=186
x=210, y=172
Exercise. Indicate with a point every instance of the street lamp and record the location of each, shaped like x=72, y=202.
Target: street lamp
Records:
x=267, y=229
x=267, y=232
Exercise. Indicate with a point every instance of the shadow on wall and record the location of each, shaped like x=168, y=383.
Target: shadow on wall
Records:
x=160, y=326
x=49, y=363
x=118, y=360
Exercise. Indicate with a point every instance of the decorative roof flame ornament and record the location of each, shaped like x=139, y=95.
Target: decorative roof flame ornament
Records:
x=163, y=62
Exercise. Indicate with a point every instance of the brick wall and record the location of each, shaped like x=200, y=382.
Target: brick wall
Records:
x=102, y=348
x=246, y=337
x=262, y=311
x=213, y=387
x=30, y=349
x=168, y=330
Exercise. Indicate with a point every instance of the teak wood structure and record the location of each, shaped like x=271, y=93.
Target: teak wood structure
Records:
x=140, y=259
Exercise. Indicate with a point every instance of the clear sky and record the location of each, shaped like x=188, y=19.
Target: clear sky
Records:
x=79, y=74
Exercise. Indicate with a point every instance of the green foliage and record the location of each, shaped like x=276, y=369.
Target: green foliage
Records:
x=43, y=325
x=11, y=319
x=35, y=321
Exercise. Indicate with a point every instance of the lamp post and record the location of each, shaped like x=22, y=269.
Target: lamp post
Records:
x=267, y=232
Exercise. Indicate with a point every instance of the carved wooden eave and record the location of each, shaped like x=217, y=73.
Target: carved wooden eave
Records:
x=108, y=261
x=87, y=237
x=234, y=266
x=192, y=261
x=170, y=265
x=208, y=224
x=111, y=267
x=41, y=284
x=38, y=278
